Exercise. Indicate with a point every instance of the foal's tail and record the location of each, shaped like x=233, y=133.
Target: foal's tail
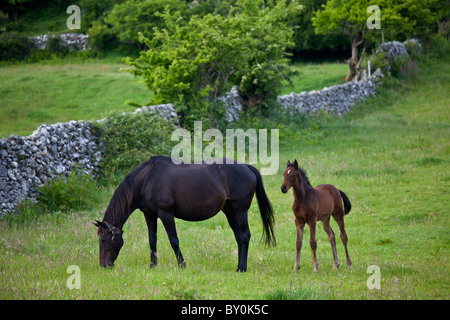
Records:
x=265, y=208
x=347, y=204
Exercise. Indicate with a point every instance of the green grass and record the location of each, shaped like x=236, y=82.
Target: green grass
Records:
x=391, y=157
x=316, y=76
x=34, y=94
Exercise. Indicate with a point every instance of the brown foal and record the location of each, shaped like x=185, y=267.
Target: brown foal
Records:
x=316, y=204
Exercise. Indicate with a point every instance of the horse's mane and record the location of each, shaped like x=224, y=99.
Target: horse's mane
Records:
x=120, y=204
x=302, y=173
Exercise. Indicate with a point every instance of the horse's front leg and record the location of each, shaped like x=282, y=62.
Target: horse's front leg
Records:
x=169, y=224
x=152, y=224
x=299, y=225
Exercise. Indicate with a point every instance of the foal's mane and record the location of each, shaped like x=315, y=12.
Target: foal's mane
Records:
x=302, y=173
x=119, y=207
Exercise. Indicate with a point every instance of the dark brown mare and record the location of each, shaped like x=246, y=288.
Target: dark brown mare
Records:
x=193, y=192
x=316, y=204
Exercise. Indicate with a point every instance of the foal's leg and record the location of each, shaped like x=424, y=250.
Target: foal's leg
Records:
x=332, y=239
x=152, y=223
x=169, y=224
x=339, y=218
x=299, y=226
x=313, y=243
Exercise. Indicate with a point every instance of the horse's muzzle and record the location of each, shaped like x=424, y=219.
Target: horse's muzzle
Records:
x=284, y=189
x=107, y=265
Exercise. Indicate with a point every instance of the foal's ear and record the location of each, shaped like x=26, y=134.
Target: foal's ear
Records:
x=295, y=164
x=288, y=163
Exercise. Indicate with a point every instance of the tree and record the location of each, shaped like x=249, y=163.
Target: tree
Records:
x=350, y=17
x=312, y=46
x=194, y=63
x=133, y=16
x=121, y=22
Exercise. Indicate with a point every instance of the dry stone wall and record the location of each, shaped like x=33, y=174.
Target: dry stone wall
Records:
x=52, y=150
x=337, y=99
x=74, y=41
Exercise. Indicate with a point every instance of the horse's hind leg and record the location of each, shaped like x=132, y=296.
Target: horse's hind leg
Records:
x=239, y=224
x=169, y=224
x=231, y=217
x=339, y=218
x=244, y=231
x=332, y=239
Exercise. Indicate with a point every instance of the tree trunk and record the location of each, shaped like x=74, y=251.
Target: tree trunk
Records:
x=353, y=62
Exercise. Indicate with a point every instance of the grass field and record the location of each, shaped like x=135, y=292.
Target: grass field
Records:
x=34, y=94
x=316, y=76
x=390, y=155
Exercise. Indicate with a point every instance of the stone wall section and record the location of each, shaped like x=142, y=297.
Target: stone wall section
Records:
x=52, y=150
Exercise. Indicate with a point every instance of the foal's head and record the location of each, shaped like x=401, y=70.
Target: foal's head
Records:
x=110, y=241
x=292, y=175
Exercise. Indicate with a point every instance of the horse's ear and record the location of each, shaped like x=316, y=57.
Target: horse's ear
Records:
x=288, y=163
x=99, y=224
x=295, y=164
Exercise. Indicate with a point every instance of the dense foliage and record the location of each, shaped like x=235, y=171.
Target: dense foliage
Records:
x=129, y=139
x=196, y=62
x=397, y=19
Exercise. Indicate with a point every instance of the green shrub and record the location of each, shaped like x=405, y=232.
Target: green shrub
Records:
x=195, y=63
x=414, y=48
x=378, y=61
x=77, y=191
x=100, y=37
x=439, y=47
x=14, y=46
x=128, y=139
x=56, y=45
x=212, y=114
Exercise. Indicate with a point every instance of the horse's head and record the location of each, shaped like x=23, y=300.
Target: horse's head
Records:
x=110, y=242
x=291, y=176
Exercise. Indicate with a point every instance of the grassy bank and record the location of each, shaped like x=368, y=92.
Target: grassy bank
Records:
x=391, y=157
x=34, y=94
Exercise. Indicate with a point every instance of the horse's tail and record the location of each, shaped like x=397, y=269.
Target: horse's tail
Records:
x=347, y=204
x=265, y=208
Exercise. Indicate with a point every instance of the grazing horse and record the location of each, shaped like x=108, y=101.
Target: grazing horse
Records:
x=316, y=204
x=192, y=192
